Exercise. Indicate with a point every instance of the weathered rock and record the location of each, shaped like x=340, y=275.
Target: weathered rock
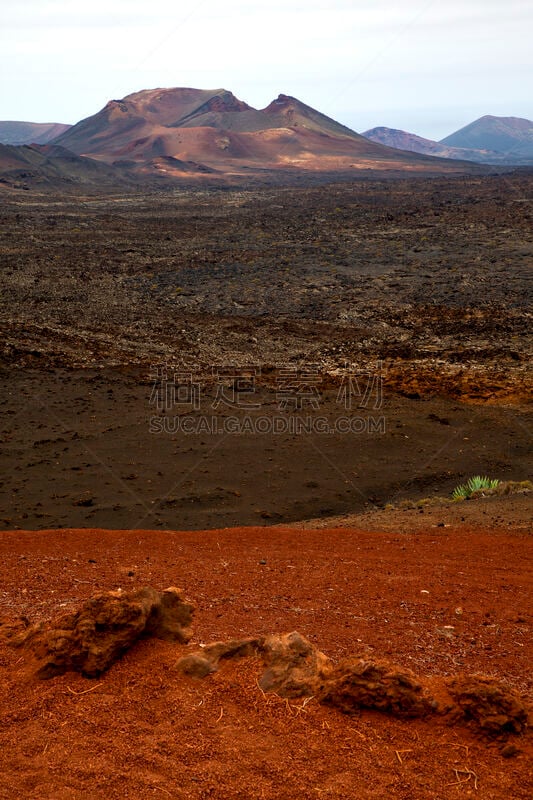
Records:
x=235, y=648
x=93, y=638
x=170, y=617
x=492, y=706
x=509, y=750
x=195, y=666
x=12, y=629
x=205, y=661
x=364, y=683
x=294, y=667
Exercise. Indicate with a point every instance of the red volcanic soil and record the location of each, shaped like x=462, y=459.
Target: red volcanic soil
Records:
x=437, y=600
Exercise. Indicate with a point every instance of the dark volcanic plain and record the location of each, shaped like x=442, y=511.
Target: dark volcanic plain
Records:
x=431, y=277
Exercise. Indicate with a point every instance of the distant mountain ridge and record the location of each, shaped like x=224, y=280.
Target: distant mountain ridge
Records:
x=509, y=135
x=488, y=140
x=185, y=130
x=403, y=140
x=16, y=133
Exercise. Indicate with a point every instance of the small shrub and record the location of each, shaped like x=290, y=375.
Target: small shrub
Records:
x=475, y=487
x=478, y=483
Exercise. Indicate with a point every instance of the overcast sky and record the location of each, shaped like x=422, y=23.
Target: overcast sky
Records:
x=427, y=66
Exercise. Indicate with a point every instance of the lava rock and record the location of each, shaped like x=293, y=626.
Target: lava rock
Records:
x=91, y=639
x=379, y=685
x=495, y=708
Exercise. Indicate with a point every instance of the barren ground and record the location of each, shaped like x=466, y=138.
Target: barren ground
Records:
x=432, y=278
x=142, y=730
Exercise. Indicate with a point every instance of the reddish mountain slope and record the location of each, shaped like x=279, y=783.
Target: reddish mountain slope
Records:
x=217, y=129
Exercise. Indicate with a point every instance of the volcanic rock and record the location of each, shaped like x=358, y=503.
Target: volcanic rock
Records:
x=365, y=683
x=92, y=639
x=207, y=660
x=294, y=666
x=495, y=708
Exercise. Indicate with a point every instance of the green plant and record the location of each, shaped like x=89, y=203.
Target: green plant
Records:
x=475, y=484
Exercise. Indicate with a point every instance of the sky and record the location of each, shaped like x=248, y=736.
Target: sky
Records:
x=426, y=66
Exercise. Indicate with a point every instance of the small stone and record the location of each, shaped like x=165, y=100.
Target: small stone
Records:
x=509, y=751
x=447, y=631
x=194, y=666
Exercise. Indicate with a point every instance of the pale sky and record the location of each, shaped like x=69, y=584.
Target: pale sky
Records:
x=426, y=66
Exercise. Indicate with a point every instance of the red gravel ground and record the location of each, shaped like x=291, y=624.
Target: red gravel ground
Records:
x=142, y=730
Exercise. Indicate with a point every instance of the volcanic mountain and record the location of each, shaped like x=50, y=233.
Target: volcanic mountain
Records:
x=512, y=136
x=147, y=131
x=402, y=140
x=30, y=132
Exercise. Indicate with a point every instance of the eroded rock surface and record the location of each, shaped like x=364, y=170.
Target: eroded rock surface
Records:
x=207, y=660
x=293, y=665
x=93, y=638
x=495, y=708
x=364, y=683
x=11, y=629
